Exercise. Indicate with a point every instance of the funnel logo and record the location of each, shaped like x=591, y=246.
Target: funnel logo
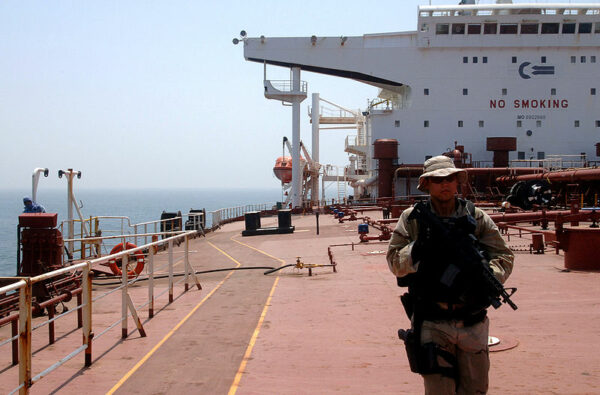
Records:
x=526, y=72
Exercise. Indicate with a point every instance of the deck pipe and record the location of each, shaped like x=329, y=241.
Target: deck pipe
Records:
x=528, y=216
x=502, y=170
x=556, y=176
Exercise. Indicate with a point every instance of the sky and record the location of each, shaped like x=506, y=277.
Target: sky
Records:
x=153, y=94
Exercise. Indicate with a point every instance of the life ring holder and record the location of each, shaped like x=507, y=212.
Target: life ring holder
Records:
x=139, y=255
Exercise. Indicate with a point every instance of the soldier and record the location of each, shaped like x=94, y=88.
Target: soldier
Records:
x=449, y=324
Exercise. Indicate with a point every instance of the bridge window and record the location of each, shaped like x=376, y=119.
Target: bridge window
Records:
x=521, y=155
x=465, y=59
x=485, y=59
x=475, y=59
x=593, y=59
x=585, y=28
x=458, y=28
x=509, y=28
x=492, y=28
x=529, y=28
x=583, y=59
x=550, y=28
x=474, y=28
x=543, y=60
x=442, y=28
x=568, y=28
x=541, y=155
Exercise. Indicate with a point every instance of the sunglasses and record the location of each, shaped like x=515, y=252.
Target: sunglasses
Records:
x=439, y=180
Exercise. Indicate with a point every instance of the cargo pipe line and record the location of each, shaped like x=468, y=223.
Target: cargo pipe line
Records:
x=528, y=216
x=409, y=171
x=545, y=215
x=556, y=176
x=418, y=170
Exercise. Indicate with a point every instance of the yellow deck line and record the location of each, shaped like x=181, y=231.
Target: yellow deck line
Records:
x=256, y=249
x=238, y=376
x=172, y=331
x=240, y=372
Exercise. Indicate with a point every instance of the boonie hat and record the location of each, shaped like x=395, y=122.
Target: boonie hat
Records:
x=440, y=166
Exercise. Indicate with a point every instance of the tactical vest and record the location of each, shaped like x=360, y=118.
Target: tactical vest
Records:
x=436, y=283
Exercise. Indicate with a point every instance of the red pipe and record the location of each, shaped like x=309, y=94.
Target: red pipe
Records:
x=52, y=301
x=503, y=170
x=528, y=216
x=557, y=176
x=560, y=216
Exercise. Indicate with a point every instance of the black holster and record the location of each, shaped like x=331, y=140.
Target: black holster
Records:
x=423, y=358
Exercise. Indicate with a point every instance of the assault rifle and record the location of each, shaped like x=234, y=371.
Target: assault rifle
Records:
x=463, y=246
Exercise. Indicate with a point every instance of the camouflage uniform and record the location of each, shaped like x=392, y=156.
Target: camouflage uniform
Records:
x=469, y=344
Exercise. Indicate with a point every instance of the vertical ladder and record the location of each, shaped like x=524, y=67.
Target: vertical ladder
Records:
x=341, y=186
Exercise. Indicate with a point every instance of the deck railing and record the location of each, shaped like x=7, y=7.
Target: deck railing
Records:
x=225, y=215
x=87, y=242
x=22, y=354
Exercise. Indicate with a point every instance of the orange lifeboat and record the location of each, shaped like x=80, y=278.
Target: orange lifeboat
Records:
x=283, y=169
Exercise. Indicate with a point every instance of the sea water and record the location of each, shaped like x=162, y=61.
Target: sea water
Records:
x=140, y=205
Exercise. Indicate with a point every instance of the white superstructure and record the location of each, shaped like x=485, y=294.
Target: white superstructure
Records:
x=528, y=71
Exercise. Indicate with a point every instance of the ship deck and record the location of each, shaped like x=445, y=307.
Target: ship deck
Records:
x=332, y=332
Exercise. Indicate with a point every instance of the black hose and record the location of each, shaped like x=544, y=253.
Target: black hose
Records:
x=273, y=270
x=196, y=272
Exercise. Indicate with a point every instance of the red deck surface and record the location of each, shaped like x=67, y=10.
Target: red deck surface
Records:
x=329, y=333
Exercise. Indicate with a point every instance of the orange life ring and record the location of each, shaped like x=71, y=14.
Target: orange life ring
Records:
x=139, y=255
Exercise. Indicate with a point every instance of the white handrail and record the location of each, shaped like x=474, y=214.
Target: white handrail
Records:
x=25, y=285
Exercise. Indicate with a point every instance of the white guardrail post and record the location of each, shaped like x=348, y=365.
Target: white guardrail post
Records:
x=25, y=337
x=170, y=271
x=186, y=262
x=151, y=281
x=124, y=262
x=87, y=313
x=127, y=303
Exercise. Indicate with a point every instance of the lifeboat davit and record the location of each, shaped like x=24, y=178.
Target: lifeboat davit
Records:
x=283, y=169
